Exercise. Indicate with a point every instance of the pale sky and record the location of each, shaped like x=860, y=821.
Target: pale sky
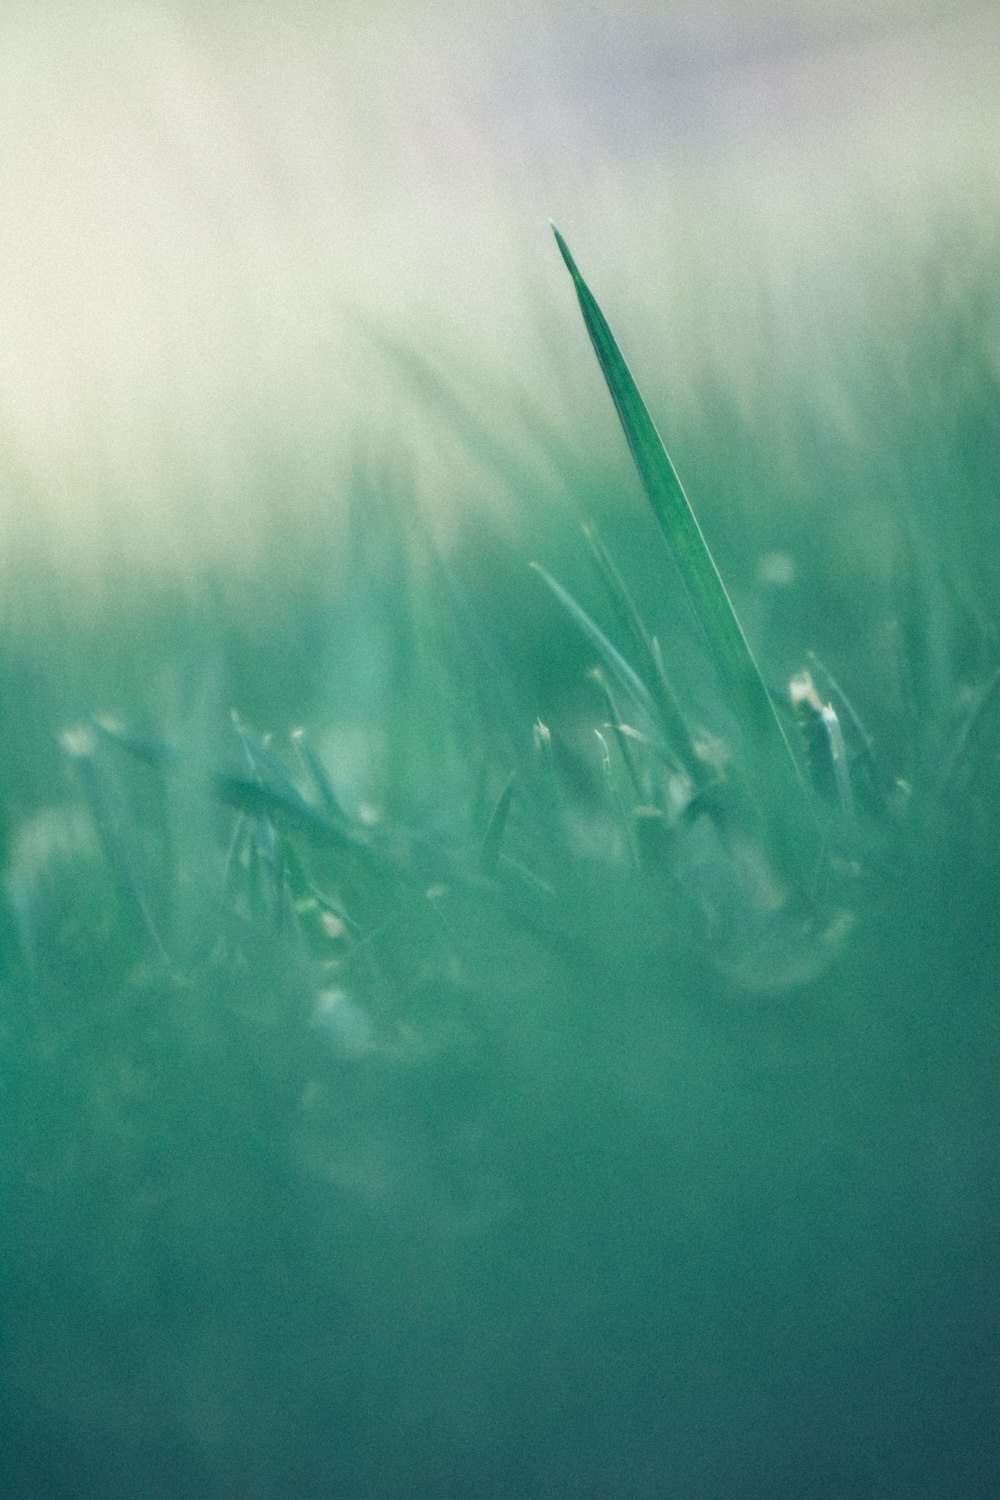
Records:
x=206, y=211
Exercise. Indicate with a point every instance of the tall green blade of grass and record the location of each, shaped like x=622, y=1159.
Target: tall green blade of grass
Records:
x=738, y=670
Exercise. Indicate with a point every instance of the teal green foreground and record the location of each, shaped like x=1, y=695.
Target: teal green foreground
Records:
x=474, y=1029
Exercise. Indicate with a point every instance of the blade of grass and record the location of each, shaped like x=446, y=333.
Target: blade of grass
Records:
x=838, y=759
x=618, y=802
x=621, y=738
x=80, y=744
x=322, y=783
x=625, y=674
x=674, y=724
x=551, y=801
x=740, y=675
x=285, y=806
x=489, y=856
x=142, y=747
x=260, y=757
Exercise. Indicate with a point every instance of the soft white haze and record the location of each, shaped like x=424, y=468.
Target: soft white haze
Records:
x=213, y=217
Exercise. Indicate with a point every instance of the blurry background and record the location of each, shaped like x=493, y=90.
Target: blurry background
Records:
x=220, y=224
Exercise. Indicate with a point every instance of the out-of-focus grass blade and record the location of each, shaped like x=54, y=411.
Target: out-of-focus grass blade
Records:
x=142, y=747
x=321, y=781
x=259, y=756
x=737, y=668
x=838, y=759
x=620, y=668
x=489, y=856
x=618, y=802
x=284, y=805
x=80, y=744
x=256, y=800
x=675, y=725
x=621, y=738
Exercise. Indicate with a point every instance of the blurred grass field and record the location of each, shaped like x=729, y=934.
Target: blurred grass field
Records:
x=444, y=1053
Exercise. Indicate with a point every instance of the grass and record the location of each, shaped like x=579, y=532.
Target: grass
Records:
x=536, y=1037
x=769, y=765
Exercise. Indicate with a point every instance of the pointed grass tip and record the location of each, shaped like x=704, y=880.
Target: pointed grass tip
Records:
x=564, y=250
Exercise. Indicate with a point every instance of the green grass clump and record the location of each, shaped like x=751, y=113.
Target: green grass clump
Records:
x=536, y=1045
x=771, y=775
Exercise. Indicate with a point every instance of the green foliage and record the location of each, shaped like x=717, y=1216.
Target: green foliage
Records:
x=514, y=990
x=738, y=671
